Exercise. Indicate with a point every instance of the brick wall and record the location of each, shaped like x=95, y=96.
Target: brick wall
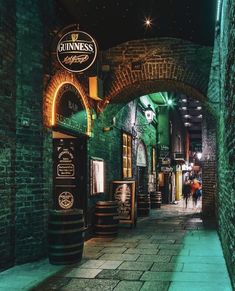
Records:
x=30, y=210
x=7, y=131
x=161, y=60
x=222, y=95
x=25, y=28
x=108, y=145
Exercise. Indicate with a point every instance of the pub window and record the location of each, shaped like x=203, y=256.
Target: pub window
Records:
x=127, y=155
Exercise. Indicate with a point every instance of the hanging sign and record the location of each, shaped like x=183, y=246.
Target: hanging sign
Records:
x=76, y=51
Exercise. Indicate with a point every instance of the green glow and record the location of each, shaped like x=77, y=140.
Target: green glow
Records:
x=169, y=102
x=219, y=6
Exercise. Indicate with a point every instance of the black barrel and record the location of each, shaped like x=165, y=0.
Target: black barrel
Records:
x=65, y=236
x=143, y=204
x=106, y=218
x=156, y=199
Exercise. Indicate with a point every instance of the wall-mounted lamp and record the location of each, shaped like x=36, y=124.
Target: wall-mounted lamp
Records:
x=149, y=114
x=199, y=156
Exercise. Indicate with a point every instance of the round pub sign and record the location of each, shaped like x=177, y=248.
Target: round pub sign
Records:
x=76, y=51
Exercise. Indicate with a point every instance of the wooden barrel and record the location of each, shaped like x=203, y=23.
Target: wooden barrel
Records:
x=106, y=218
x=143, y=204
x=156, y=199
x=65, y=236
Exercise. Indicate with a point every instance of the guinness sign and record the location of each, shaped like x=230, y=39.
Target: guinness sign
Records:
x=76, y=51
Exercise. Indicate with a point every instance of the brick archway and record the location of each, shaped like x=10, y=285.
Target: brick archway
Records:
x=58, y=80
x=146, y=66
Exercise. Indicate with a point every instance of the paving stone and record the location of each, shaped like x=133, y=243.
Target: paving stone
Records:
x=184, y=277
x=100, y=239
x=91, y=255
x=148, y=251
x=197, y=259
x=126, y=240
x=201, y=252
x=171, y=246
x=160, y=241
x=88, y=285
x=147, y=246
x=53, y=283
x=92, y=264
x=114, y=250
x=130, y=245
x=136, y=266
x=128, y=285
x=167, y=267
x=167, y=252
x=160, y=236
x=155, y=286
x=154, y=258
x=112, y=244
x=120, y=274
x=111, y=265
x=93, y=249
x=208, y=268
x=83, y=273
x=119, y=257
x=186, y=286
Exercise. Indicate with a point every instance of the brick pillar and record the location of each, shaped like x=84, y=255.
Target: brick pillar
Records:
x=209, y=164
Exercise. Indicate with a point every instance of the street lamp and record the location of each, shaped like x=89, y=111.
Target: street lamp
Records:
x=149, y=114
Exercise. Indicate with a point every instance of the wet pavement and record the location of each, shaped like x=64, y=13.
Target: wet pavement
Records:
x=172, y=249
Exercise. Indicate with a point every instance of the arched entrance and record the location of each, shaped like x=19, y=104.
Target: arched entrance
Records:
x=171, y=65
x=67, y=116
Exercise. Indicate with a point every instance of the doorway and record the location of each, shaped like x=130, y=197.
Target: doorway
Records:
x=69, y=171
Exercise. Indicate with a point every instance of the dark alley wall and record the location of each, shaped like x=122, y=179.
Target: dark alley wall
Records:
x=222, y=96
x=7, y=131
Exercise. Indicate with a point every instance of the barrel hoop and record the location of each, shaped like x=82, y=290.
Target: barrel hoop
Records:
x=66, y=246
x=66, y=253
x=106, y=203
x=66, y=231
x=106, y=214
x=66, y=222
x=106, y=233
x=106, y=207
x=106, y=225
x=66, y=212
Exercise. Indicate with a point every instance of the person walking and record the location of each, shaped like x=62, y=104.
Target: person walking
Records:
x=194, y=188
x=186, y=191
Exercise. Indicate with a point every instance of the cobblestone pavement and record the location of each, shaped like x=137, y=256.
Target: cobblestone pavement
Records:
x=172, y=249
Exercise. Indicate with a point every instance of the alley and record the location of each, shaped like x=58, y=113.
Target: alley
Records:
x=173, y=249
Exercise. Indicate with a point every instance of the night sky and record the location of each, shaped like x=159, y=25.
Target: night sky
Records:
x=112, y=22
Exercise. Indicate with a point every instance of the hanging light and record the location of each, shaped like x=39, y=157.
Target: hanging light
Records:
x=149, y=114
x=199, y=155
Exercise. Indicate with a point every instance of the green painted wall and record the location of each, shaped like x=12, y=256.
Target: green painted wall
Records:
x=163, y=126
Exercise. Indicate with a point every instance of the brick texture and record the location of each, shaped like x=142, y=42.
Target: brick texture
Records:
x=221, y=93
x=166, y=64
x=7, y=132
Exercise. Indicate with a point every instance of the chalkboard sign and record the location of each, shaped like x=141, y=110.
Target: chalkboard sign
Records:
x=124, y=193
x=65, y=174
